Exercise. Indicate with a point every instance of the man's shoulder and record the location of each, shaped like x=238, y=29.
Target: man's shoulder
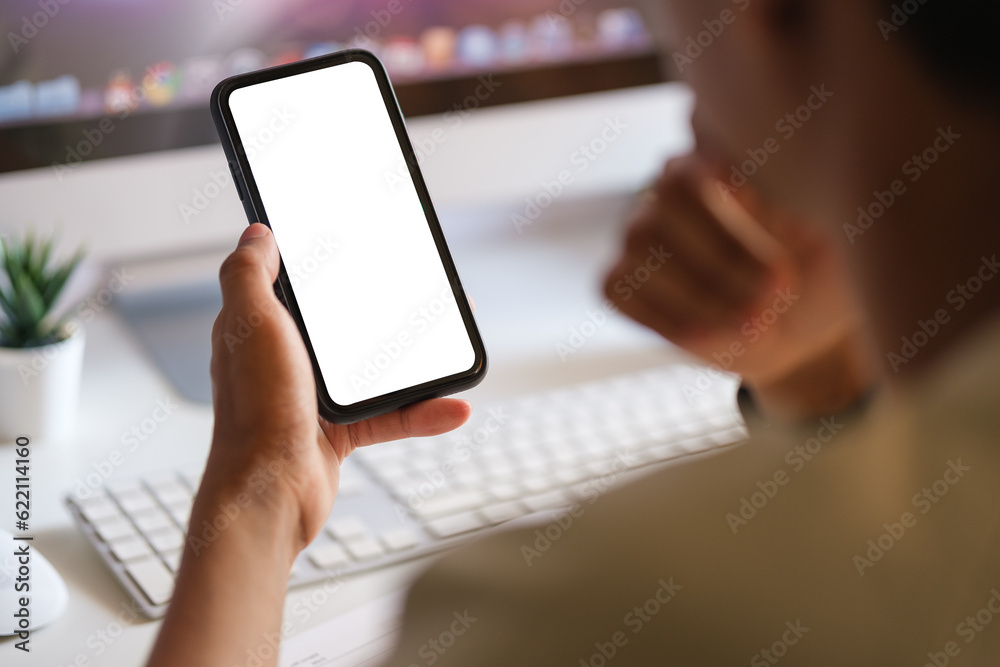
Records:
x=812, y=528
x=631, y=551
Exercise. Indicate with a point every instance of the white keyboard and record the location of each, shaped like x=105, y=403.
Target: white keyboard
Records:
x=405, y=499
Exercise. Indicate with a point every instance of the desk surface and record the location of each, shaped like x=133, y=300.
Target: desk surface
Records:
x=531, y=289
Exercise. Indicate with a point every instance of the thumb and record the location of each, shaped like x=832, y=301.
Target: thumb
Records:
x=247, y=276
x=743, y=217
x=764, y=229
x=806, y=241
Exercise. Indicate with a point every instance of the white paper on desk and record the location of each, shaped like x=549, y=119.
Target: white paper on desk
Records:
x=365, y=636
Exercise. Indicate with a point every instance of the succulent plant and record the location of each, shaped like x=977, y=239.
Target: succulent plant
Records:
x=30, y=284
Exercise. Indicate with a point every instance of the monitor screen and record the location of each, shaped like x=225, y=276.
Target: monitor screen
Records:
x=89, y=79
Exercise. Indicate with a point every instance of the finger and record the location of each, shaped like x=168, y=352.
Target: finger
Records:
x=704, y=244
x=749, y=220
x=696, y=305
x=706, y=284
x=667, y=322
x=748, y=214
x=703, y=284
x=672, y=288
x=746, y=199
x=247, y=276
x=670, y=303
x=421, y=420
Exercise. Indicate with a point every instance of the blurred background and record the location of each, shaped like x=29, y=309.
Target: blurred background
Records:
x=106, y=141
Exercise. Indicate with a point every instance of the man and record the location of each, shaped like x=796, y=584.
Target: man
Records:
x=834, y=536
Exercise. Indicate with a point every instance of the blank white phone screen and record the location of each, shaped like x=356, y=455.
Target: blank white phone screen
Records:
x=368, y=278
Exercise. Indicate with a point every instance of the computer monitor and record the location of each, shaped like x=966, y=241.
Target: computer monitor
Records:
x=101, y=79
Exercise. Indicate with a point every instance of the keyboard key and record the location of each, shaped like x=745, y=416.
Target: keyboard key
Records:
x=563, y=452
x=444, y=504
x=456, y=524
x=153, y=578
x=500, y=468
x=156, y=480
x=470, y=478
x=538, y=484
x=346, y=528
x=180, y=512
x=700, y=444
x=135, y=501
x=394, y=473
x=585, y=491
x=600, y=468
x=124, y=486
x=505, y=491
x=404, y=492
x=400, y=539
x=596, y=445
x=572, y=475
x=668, y=451
x=328, y=556
x=350, y=486
x=170, y=492
x=129, y=548
x=624, y=461
x=167, y=539
x=426, y=463
x=114, y=528
x=731, y=435
x=151, y=520
x=364, y=548
x=687, y=429
x=99, y=508
x=644, y=457
x=503, y=512
x=173, y=559
x=192, y=478
x=532, y=459
x=424, y=486
x=550, y=500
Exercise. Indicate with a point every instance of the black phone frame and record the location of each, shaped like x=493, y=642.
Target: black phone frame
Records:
x=255, y=211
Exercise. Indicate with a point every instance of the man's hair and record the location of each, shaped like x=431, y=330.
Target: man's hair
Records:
x=959, y=40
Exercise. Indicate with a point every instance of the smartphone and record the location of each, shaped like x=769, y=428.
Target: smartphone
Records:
x=319, y=153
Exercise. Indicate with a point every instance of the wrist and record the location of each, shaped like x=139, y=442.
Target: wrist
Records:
x=251, y=501
x=833, y=382
x=222, y=516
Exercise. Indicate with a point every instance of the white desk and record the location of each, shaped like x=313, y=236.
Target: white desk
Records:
x=530, y=290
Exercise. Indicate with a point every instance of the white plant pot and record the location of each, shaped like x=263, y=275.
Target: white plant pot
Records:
x=40, y=389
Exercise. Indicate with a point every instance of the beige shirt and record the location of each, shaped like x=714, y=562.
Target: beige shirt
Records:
x=877, y=543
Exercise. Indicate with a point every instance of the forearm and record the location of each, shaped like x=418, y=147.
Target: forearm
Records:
x=230, y=590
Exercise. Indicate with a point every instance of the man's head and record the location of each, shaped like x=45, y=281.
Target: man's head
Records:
x=880, y=64
x=878, y=118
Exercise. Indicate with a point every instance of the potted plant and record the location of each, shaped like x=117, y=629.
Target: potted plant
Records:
x=41, y=356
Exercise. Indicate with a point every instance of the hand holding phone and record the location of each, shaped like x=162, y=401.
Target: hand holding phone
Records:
x=317, y=149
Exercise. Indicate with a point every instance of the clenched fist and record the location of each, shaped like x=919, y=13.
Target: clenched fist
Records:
x=746, y=287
